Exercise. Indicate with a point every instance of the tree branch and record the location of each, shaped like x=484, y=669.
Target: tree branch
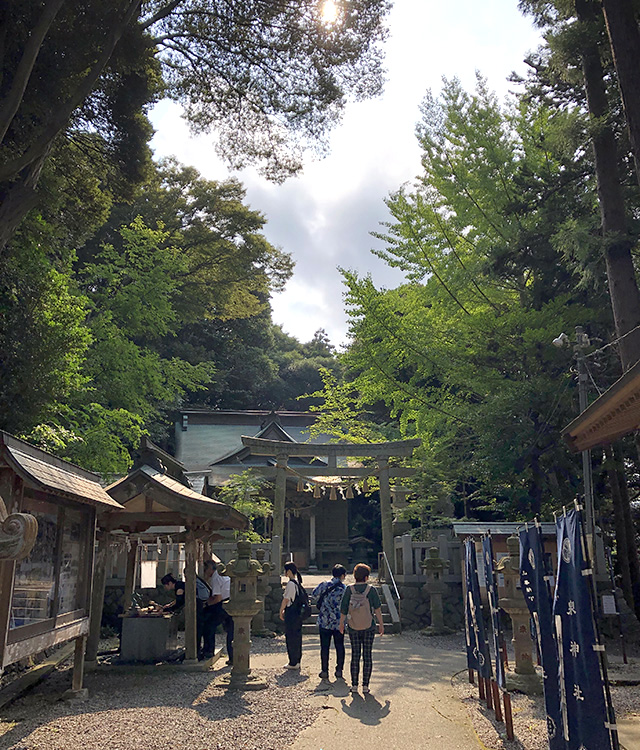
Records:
x=60, y=119
x=11, y=103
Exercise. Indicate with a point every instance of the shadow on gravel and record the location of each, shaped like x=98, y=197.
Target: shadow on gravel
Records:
x=290, y=677
x=367, y=710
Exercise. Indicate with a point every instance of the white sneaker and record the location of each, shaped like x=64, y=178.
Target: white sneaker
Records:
x=353, y=689
x=365, y=690
x=292, y=666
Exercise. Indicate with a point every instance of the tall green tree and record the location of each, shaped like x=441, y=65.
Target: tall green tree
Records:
x=269, y=77
x=461, y=354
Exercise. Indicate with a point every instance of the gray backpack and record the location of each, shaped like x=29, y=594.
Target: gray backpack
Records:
x=359, y=615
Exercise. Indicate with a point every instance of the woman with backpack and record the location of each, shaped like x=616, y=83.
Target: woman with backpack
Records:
x=293, y=601
x=360, y=602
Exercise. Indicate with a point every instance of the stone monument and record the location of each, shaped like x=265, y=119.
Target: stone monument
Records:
x=434, y=568
x=524, y=677
x=243, y=606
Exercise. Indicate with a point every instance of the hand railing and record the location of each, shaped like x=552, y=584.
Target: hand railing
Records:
x=388, y=570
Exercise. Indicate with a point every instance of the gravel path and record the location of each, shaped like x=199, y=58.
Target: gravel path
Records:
x=529, y=716
x=189, y=710
x=186, y=710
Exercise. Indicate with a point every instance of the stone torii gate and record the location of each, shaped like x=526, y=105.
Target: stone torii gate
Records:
x=282, y=450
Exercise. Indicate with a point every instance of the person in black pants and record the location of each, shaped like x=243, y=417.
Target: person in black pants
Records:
x=328, y=596
x=290, y=615
x=215, y=613
x=360, y=604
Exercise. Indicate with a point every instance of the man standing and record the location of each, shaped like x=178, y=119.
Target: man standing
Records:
x=328, y=596
x=217, y=615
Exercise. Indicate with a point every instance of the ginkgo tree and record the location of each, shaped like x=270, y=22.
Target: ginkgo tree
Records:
x=461, y=354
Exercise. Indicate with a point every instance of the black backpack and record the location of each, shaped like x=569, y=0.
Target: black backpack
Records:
x=302, y=603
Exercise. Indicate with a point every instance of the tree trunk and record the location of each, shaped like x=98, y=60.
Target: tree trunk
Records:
x=622, y=560
x=630, y=530
x=19, y=176
x=623, y=288
x=624, y=37
x=19, y=199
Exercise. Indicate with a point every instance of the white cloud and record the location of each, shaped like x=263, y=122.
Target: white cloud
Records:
x=324, y=217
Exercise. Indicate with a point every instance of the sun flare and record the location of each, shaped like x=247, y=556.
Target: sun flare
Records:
x=329, y=12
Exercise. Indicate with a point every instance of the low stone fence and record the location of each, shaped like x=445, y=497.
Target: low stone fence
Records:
x=415, y=602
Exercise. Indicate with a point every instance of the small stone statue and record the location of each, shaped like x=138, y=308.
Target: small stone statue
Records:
x=434, y=568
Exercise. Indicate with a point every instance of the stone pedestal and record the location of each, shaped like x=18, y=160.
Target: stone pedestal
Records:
x=524, y=676
x=243, y=606
x=434, y=568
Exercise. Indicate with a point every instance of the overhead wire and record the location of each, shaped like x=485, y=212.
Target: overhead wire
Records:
x=612, y=343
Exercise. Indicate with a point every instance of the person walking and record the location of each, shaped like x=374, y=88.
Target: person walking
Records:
x=290, y=614
x=328, y=596
x=360, y=603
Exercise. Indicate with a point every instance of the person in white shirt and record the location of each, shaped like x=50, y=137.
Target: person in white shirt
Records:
x=216, y=613
x=290, y=614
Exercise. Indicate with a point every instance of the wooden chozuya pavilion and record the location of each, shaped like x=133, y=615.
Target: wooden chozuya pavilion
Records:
x=156, y=494
x=46, y=551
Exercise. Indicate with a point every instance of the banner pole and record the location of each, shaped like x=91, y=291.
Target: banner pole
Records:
x=613, y=729
x=508, y=716
x=496, y=700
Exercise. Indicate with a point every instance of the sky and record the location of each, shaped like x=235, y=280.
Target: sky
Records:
x=324, y=217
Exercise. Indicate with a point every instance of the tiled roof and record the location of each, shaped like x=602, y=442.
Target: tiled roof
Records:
x=201, y=505
x=45, y=471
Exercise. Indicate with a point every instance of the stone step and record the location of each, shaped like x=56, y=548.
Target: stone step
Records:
x=386, y=617
x=312, y=628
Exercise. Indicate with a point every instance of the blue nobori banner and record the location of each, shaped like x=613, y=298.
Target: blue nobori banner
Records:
x=538, y=597
x=582, y=698
x=477, y=648
x=492, y=595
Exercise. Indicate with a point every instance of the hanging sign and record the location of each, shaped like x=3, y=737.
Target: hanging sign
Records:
x=477, y=648
x=492, y=594
x=535, y=587
x=148, y=571
x=586, y=725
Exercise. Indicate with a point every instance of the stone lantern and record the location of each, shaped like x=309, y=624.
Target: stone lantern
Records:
x=243, y=606
x=524, y=677
x=257, y=624
x=434, y=567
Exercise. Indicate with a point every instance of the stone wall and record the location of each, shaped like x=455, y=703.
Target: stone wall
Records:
x=272, y=603
x=415, y=607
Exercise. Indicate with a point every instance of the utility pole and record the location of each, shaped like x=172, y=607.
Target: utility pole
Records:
x=582, y=342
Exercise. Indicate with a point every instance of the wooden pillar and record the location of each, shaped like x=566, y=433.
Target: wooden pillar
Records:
x=312, y=541
x=280, y=498
x=386, y=512
x=100, y=567
x=190, y=622
x=78, y=664
x=130, y=575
